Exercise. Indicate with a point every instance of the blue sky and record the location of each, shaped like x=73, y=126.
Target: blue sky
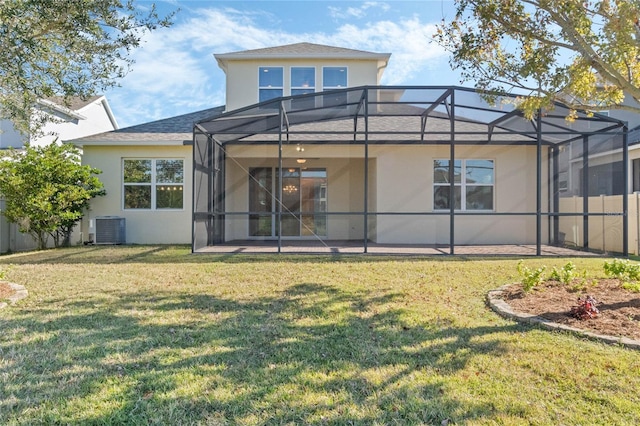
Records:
x=175, y=71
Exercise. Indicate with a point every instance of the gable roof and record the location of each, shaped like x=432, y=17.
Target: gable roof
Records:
x=298, y=51
x=72, y=107
x=167, y=131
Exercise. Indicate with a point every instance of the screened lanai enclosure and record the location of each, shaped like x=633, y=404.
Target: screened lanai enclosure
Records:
x=436, y=168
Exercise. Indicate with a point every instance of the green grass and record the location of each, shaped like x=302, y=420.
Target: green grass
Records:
x=155, y=335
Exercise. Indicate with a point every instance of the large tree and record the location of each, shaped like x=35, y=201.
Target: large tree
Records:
x=64, y=49
x=47, y=190
x=585, y=54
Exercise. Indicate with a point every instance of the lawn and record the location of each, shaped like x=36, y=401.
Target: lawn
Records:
x=155, y=335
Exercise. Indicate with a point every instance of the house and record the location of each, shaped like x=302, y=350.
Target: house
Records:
x=311, y=149
x=75, y=119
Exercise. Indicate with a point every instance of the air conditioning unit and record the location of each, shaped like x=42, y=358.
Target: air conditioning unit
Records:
x=109, y=230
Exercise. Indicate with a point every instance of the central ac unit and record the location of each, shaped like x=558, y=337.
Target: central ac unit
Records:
x=110, y=230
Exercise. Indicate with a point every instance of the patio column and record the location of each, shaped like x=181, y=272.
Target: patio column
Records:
x=625, y=195
x=366, y=170
x=452, y=157
x=585, y=192
x=539, y=184
x=280, y=176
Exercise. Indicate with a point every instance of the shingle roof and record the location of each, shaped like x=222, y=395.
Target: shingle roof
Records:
x=302, y=49
x=74, y=103
x=178, y=128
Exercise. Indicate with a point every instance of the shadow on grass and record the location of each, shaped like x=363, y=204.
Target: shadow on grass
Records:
x=312, y=354
x=161, y=254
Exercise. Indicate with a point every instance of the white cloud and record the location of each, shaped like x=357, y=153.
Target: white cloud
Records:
x=340, y=13
x=175, y=71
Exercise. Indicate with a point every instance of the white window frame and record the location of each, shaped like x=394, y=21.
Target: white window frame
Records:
x=346, y=84
x=260, y=88
x=311, y=88
x=463, y=184
x=153, y=184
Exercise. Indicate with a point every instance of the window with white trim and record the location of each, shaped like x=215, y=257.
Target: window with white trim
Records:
x=303, y=80
x=153, y=184
x=473, y=185
x=270, y=83
x=334, y=78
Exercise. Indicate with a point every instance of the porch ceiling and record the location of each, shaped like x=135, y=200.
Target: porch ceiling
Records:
x=402, y=115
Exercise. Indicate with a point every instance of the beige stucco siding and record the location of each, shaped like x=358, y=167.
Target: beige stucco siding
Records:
x=345, y=188
x=405, y=184
x=142, y=226
x=400, y=181
x=242, y=76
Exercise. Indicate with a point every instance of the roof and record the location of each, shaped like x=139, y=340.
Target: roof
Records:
x=73, y=103
x=165, y=131
x=307, y=50
x=404, y=114
x=301, y=51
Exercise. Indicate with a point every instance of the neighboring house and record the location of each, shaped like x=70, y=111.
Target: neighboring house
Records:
x=81, y=117
x=311, y=148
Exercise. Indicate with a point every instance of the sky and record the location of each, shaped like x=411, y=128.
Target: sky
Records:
x=175, y=72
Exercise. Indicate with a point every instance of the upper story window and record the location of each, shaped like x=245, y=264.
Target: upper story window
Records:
x=271, y=83
x=303, y=80
x=473, y=184
x=334, y=78
x=153, y=184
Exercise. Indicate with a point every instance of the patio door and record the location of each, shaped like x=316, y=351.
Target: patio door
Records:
x=304, y=202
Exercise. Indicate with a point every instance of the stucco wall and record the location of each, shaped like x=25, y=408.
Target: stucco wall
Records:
x=142, y=226
x=401, y=180
x=405, y=184
x=345, y=187
x=96, y=121
x=242, y=76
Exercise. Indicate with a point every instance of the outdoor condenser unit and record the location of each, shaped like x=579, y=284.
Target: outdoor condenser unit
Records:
x=110, y=230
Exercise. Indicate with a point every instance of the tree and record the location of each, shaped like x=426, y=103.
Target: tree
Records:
x=585, y=54
x=47, y=190
x=64, y=49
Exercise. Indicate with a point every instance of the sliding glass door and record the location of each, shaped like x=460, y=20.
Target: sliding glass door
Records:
x=304, y=202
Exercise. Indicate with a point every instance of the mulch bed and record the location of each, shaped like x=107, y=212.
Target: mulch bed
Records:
x=619, y=308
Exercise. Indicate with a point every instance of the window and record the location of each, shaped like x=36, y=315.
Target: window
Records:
x=334, y=78
x=473, y=184
x=303, y=80
x=270, y=82
x=153, y=184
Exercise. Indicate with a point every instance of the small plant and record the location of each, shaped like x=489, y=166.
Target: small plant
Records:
x=622, y=269
x=586, y=308
x=530, y=277
x=628, y=273
x=583, y=282
x=566, y=274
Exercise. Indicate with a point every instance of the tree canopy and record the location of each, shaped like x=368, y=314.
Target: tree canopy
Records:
x=64, y=49
x=47, y=190
x=585, y=54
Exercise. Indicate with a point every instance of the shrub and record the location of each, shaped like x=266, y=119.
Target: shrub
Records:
x=586, y=308
x=566, y=274
x=530, y=277
x=628, y=273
